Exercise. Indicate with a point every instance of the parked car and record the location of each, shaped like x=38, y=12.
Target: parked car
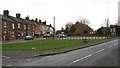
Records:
x=62, y=35
x=46, y=35
x=28, y=37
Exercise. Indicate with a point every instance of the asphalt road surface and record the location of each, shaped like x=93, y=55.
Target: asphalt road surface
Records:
x=105, y=54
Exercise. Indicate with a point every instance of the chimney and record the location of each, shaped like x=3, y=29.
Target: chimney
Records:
x=44, y=22
x=32, y=20
x=39, y=21
x=6, y=12
x=111, y=25
x=36, y=20
x=27, y=18
x=77, y=22
x=50, y=25
x=18, y=15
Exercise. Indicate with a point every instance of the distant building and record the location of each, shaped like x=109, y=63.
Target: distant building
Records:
x=43, y=28
x=82, y=29
x=108, y=31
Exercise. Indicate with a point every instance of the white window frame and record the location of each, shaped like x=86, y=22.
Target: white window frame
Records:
x=33, y=33
x=22, y=34
x=24, y=27
x=13, y=26
x=33, y=28
x=28, y=26
x=18, y=25
x=5, y=32
x=5, y=24
x=13, y=34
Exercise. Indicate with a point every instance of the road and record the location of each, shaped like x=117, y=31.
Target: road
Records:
x=105, y=54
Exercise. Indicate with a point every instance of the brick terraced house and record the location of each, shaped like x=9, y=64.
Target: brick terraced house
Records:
x=37, y=27
x=14, y=28
x=30, y=26
x=8, y=27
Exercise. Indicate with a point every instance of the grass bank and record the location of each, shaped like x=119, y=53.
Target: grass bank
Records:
x=47, y=44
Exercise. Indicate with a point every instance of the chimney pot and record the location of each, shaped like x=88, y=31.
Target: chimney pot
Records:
x=45, y=22
x=27, y=18
x=36, y=20
x=39, y=21
x=18, y=15
x=6, y=12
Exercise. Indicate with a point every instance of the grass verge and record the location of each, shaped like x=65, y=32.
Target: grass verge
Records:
x=47, y=44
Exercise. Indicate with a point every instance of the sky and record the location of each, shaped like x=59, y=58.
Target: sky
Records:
x=64, y=11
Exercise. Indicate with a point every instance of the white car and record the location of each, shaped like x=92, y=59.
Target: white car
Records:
x=28, y=37
x=46, y=35
x=62, y=35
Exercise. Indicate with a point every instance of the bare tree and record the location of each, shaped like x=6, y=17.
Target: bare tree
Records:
x=83, y=21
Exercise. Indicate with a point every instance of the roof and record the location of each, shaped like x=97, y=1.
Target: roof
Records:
x=84, y=25
x=0, y=16
x=27, y=21
x=6, y=18
x=16, y=19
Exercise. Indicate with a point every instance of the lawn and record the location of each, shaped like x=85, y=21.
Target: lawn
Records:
x=46, y=44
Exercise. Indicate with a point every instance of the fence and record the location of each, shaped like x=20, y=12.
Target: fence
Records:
x=83, y=38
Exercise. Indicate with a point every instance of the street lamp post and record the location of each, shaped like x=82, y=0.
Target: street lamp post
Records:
x=54, y=28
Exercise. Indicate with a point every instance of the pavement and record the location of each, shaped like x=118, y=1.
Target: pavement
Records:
x=14, y=57
x=18, y=41
x=105, y=54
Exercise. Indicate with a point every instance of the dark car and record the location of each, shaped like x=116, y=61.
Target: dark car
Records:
x=28, y=37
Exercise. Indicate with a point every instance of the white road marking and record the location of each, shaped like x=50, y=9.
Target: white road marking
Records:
x=100, y=50
x=82, y=58
x=109, y=46
x=76, y=60
x=5, y=57
x=9, y=65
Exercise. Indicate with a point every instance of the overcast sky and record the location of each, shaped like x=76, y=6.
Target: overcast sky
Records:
x=64, y=10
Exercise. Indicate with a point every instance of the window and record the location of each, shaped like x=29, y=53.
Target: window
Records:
x=33, y=33
x=19, y=33
x=33, y=27
x=5, y=24
x=13, y=34
x=18, y=25
x=13, y=26
x=24, y=27
x=28, y=26
x=22, y=33
x=5, y=32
